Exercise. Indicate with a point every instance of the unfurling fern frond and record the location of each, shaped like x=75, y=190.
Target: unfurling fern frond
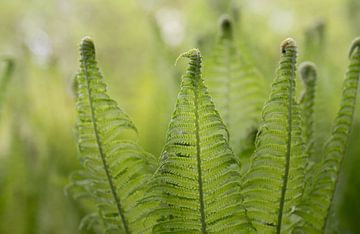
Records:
x=274, y=182
x=315, y=204
x=236, y=87
x=114, y=167
x=198, y=178
x=308, y=75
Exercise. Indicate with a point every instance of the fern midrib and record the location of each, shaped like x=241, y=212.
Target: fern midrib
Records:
x=198, y=151
x=288, y=150
x=102, y=154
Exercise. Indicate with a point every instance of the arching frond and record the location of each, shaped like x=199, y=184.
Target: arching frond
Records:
x=198, y=178
x=314, y=207
x=236, y=86
x=115, y=168
x=274, y=182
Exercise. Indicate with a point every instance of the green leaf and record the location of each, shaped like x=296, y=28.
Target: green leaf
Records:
x=274, y=182
x=315, y=205
x=197, y=182
x=236, y=87
x=115, y=168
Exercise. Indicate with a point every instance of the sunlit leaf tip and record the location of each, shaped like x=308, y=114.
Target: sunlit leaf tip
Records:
x=354, y=44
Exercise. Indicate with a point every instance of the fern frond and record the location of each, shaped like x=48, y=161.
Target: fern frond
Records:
x=315, y=205
x=198, y=178
x=235, y=85
x=308, y=76
x=115, y=168
x=273, y=184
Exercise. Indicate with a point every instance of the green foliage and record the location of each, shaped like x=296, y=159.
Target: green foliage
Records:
x=115, y=167
x=308, y=76
x=315, y=204
x=273, y=184
x=199, y=185
x=236, y=86
x=197, y=166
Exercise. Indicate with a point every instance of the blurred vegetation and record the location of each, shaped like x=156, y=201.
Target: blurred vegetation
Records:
x=138, y=42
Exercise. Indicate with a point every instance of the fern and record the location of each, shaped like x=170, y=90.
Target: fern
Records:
x=315, y=204
x=273, y=184
x=308, y=75
x=115, y=167
x=236, y=86
x=198, y=178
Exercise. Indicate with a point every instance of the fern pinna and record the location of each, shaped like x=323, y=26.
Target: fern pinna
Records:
x=198, y=185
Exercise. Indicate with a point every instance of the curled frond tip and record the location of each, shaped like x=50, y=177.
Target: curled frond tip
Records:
x=307, y=71
x=87, y=48
x=287, y=43
x=354, y=44
x=226, y=26
x=191, y=54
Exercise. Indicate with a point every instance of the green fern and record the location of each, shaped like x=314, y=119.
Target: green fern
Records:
x=199, y=185
x=315, y=205
x=308, y=76
x=198, y=178
x=273, y=184
x=236, y=86
x=115, y=168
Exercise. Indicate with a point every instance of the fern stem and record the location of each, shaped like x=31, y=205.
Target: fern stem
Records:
x=88, y=53
x=288, y=49
x=196, y=58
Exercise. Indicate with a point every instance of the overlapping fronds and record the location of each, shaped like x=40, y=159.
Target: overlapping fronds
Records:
x=274, y=182
x=115, y=168
x=198, y=178
x=315, y=204
x=236, y=86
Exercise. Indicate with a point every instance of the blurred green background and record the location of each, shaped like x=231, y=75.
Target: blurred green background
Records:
x=137, y=44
